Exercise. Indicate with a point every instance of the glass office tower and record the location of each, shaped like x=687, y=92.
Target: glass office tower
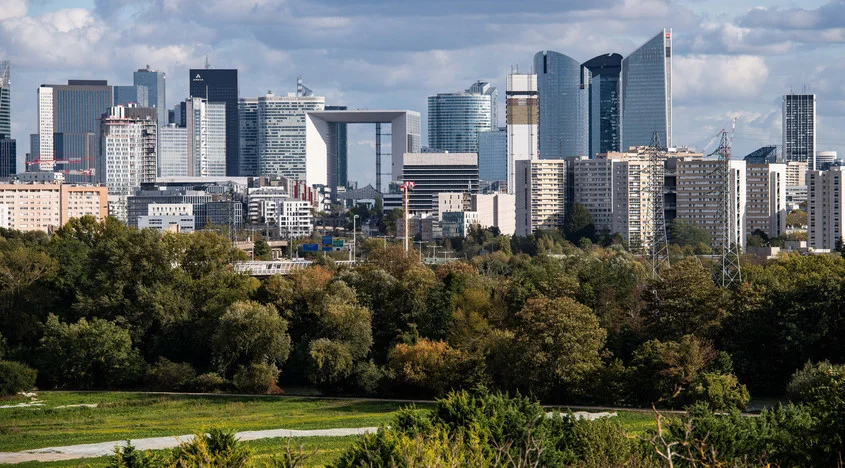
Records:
x=493, y=155
x=220, y=85
x=154, y=81
x=5, y=100
x=454, y=119
x=647, y=92
x=563, y=105
x=603, y=72
x=799, y=129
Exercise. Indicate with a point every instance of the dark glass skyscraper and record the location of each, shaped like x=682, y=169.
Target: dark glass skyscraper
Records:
x=563, y=106
x=340, y=148
x=647, y=92
x=8, y=149
x=219, y=85
x=603, y=73
x=155, y=83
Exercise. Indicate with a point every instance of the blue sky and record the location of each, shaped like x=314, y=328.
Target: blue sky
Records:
x=733, y=58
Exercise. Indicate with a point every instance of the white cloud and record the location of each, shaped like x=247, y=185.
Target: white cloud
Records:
x=720, y=77
x=13, y=9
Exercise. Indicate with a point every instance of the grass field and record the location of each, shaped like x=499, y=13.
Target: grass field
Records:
x=122, y=416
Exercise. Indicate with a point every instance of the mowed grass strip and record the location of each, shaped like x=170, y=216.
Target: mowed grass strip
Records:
x=121, y=416
x=327, y=450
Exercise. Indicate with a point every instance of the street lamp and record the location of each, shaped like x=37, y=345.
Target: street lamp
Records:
x=354, y=232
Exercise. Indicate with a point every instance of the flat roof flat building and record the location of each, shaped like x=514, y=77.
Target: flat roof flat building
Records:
x=280, y=134
x=646, y=92
x=765, y=206
x=173, y=151
x=435, y=173
x=825, y=208
x=698, y=190
x=454, y=119
x=540, y=195
x=221, y=86
x=522, y=115
x=48, y=206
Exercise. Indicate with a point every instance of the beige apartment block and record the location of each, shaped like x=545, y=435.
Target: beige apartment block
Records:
x=699, y=185
x=540, y=195
x=45, y=207
x=765, y=205
x=825, y=208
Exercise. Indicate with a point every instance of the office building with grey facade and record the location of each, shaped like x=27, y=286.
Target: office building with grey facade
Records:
x=435, y=173
x=563, y=105
x=799, y=129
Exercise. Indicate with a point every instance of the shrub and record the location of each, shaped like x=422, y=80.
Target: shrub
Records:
x=810, y=377
x=166, y=375
x=217, y=449
x=602, y=442
x=130, y=457
x=15, y=377
x=256, y=378
x=719, y=391
x=210, y=382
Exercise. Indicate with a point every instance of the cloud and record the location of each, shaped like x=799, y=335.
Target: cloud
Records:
x=13, y=9
x=720, y=77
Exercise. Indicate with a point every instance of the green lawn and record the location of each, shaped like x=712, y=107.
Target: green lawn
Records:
x=121, y=416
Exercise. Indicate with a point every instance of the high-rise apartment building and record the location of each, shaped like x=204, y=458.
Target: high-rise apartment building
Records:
x=206, y=124
x=493, y=155
x=799, y=128
x=128, y=154
x=454, y=119
x=68, y=125
x=540, y=191
x=47, y=206
x=522, y=113
x=155, y=84
x=603, y=103
x=221, y=86
x=646, y=92
x=435, y=173
x=765, y=205
x=172, y=151
x=825, y=208
x=563, y=105
x=280, y=129
x=698, y=198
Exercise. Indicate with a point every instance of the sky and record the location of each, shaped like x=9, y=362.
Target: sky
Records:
x=732, y=58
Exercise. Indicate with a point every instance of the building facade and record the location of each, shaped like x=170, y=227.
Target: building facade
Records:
x=5, y=99
x=799, y=128
x=563, y=106
x=540, y=195
x=295, y=218
x=454, y=119
x=126, y=95
x=522, y=115
x=248, y=136
x=281, y=141
x=825, y=208
x=221, y=86
x=435, y=173
x=169, y=217
x=48, y=206
x=495, y=210
x=646, y=92
x=173, y=151
x=698, y=198
x=207, y=133
x=604, y=120
x=155, y=83
x=765, y=206
x=493, y=155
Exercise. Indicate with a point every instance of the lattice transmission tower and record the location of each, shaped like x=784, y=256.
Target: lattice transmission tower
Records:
x=655, y=245
x=729, y=248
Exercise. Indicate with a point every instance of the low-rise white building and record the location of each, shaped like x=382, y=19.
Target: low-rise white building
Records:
x=294, y=218
x=169, y=217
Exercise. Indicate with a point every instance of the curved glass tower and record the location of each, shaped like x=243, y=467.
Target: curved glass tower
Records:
x=563, y=105
x=647, y=92
x=604, y=119
x=454, y=119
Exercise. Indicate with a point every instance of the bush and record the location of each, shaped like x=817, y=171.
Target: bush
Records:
x=603, y=442
x=210, y=382
x=15, y=377
x=256, y=378
x=719, y=391
x=217, y=449
x=811, y=377
x=166, y=375
x=130, y=457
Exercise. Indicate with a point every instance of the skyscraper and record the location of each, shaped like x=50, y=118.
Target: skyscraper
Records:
x=281, y=133
x=603, y=101
x=220, y=85
x=799, y=129
x=172, y=151
x=563, y=105
x=207, y=138
x=68, y=124
x=454, y=119
x=8, y=147
x=125, y=95
x=248, y=137
x=340, y=148
x=493, y=155
x=646, y=92
x=522, y=115
x=155, y=82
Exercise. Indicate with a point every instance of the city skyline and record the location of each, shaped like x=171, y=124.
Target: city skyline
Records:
x=726, y=63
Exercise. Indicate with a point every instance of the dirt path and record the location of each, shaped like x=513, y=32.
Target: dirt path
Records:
x=103, y=449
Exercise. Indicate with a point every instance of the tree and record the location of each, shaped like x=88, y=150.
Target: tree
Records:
x=261, y=250
x=578, y=224
x=96, y=354
x=556, y=343
x=434, y=367
x=796, y=219
x=251, y=333
x=685, y=233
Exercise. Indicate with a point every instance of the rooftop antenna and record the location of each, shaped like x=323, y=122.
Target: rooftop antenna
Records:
x=207, y=65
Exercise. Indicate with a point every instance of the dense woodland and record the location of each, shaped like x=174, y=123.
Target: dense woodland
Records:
x=105, y=306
